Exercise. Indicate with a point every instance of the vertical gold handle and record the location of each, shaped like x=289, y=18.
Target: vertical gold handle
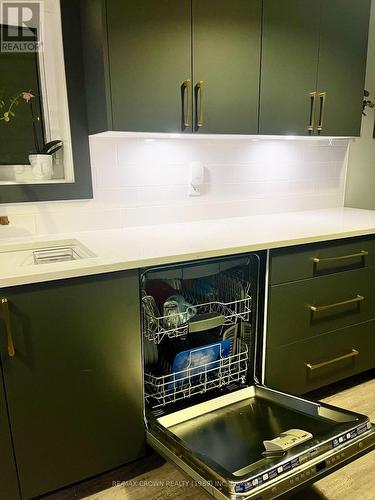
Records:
x=6, y=315
x=187, y=102
x=311, y=126
x=322, y=97
x=199, y=97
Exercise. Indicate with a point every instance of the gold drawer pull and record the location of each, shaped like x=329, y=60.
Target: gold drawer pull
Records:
x=362, y=253
x=352, y=354
x=187, y=102
x=357, y=299
x=6, y=315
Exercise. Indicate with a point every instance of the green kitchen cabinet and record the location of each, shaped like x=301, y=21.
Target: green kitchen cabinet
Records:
x=320, y=313
x=313, y=67
x=308, y=308
x=149, y=60
x=167, y=66
x=74, y=386
x=319, y=259
x=313, y=363
x=226, y=65
x=138, y=65
x=290, y=53
x=342, y=65
x=9, y=484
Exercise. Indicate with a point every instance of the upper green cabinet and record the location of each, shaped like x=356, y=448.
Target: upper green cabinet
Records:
x=289, y=62
x=226, y=67
x=313, y=66
x=173, y=66
x=226, y=61
x=150, y=64
x=342, y=65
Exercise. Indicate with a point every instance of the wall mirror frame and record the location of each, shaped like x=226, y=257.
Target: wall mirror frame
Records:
x=64, y=105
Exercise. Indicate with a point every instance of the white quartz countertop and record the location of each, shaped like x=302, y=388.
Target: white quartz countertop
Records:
x=137, y=247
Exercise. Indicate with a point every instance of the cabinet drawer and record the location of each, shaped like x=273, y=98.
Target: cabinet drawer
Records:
x=308, y=365
x=311, y=307
x=307, y=261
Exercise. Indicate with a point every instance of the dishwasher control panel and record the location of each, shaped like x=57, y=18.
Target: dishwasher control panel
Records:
x=306, y=466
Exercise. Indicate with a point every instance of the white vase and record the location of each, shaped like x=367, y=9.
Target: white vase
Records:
x=41, y=166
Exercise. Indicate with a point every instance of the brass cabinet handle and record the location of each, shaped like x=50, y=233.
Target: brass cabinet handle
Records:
x=352, y=354
x=187, y=102
x=311, y=126
x=6, y=315
x=199, y=97
x=362, y=253
x=322, y=97
x=357, y=299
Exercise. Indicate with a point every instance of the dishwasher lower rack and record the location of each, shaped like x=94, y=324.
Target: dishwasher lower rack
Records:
x=161, y=390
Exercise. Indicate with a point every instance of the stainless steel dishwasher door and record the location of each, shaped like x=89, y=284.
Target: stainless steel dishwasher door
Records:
x=220, y=442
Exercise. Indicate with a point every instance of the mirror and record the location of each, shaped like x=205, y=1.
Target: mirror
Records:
x=21, y=113
x=40, y=90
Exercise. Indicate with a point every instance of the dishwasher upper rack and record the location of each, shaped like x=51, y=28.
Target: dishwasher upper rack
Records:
x=228, y=306
x=173, y=387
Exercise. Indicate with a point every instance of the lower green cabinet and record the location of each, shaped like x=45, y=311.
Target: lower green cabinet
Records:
x=308, y=308
x=9, y=485
x=74, y=386
x=313, y=363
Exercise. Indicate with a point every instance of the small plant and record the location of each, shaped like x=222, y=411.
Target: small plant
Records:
x=9, y=114
x=367, y=103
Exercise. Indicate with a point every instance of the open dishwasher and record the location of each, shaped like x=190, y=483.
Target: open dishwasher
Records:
x=205, y=409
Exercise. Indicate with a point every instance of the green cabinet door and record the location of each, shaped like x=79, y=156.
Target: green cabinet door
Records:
x=149, y=61
x=342, y=65
x=74, y=387
x=9, y=484
x=226, y=58
x=289, y=65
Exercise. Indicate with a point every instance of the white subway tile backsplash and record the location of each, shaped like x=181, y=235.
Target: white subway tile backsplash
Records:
x=79, y=220
x=141, y=181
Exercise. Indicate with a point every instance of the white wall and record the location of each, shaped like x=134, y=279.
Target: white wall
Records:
x=139, y=181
